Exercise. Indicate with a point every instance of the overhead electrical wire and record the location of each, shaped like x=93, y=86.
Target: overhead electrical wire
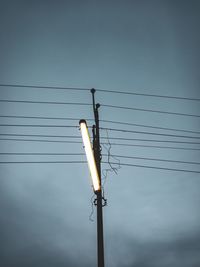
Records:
x=39, y=162
x=156, y=159
x=103, y=105
x=154, y=167
x=106, y=121
x=40, y=154
x=102, y=137
x=98, y=90
x=114, y=144
x=40, y=135
x=40, y=140
x=153, y=146
x=151, y=140
x=114, y=163
x=102, y=128
x=39, y=125
x=104, y=155
x=44, y=87
x=150, y=126
x=114, y=138
x=149, y=133
x=151, y=110
x=148, y=95
x=41, y=117
x=45, y=102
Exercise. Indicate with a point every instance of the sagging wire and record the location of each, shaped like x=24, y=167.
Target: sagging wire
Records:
x=105, y=172
x=92, y=201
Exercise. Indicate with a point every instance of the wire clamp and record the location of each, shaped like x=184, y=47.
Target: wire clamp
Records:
x=104, y=202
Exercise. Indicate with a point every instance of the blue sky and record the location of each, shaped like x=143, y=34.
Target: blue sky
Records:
x=151, y=47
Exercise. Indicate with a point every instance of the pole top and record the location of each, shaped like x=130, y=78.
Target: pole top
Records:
x=92, y=90
x=82, y=121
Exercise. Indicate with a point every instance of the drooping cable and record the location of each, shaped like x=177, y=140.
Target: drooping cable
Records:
x=105, y=171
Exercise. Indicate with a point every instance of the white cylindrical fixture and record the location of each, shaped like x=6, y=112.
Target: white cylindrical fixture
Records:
x=90, y=155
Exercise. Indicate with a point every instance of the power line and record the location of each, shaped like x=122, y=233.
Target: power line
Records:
x=40, y=154
x=99, y=90
x=103, y=137
x=156, y=159
x=82, y=154
x=77, y=162
x=150, y=126
x=39, y=140
x=44, y=87
x=107, y=121
x=40, y=135
x=153, y=167
x=103, y=105
x=151, y=140
x=38, y=125
x=147, y=95
x=41, y=117
x=152, y=146
x=114, y=144
x=149, y=133
x=44, y=102
x=151, y=110
x=109, y=129
x=40, y=162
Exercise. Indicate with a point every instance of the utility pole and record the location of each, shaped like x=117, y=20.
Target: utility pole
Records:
x=99, y=198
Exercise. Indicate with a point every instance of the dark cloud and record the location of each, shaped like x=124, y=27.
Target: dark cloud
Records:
x=32, y=235
x=31, y=238
x=182, y=251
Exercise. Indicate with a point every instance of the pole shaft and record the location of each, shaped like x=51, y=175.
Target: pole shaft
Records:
x=100, y=242
x=97, y=155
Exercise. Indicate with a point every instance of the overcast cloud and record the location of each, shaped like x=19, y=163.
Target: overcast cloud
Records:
x=152, y=218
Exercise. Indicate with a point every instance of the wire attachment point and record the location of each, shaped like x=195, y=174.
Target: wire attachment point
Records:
x=104, y=201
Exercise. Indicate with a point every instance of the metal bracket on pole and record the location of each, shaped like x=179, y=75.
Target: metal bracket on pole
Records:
x=104, y=202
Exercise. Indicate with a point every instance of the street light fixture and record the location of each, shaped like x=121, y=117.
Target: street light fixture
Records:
x=90, y=155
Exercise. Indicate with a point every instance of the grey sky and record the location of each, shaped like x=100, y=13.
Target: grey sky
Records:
x=152, y=47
